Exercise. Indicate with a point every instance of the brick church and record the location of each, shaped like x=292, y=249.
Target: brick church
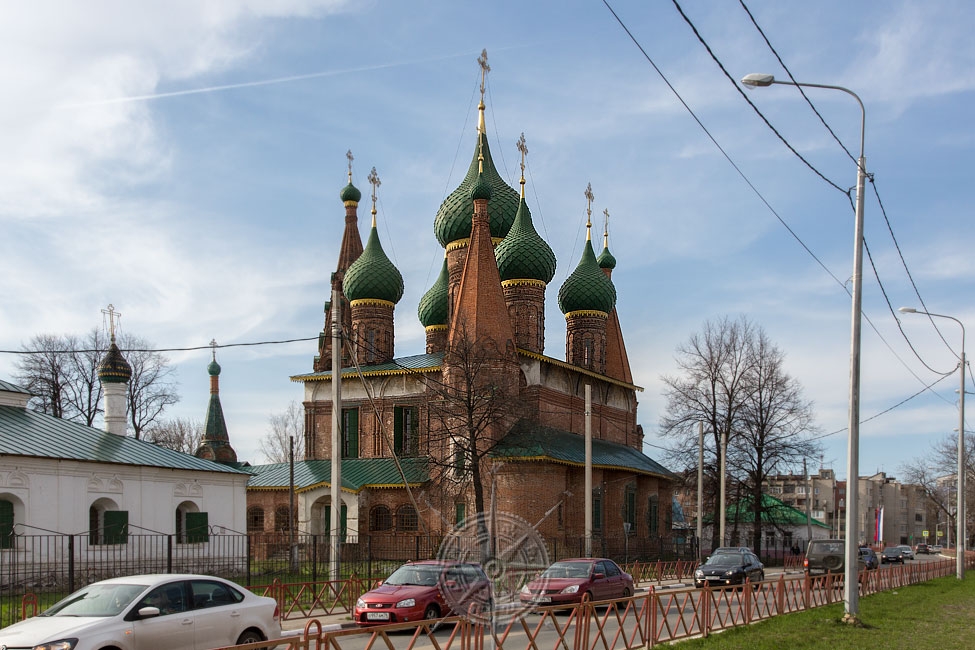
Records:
x=481, y=419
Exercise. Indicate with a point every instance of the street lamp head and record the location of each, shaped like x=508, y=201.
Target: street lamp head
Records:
x=907, y=310
x=758, y=79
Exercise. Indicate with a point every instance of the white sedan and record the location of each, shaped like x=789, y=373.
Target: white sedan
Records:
x=150, y=612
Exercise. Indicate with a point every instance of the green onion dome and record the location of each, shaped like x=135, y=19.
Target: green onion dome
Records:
x=350, y=193
x=113, y=368
x=213, y=368
x=453, y=220
x=523, y=254
x=373, y=276
x=481, y=190
x=433, y=305
x=606, y=259
x=587, y=288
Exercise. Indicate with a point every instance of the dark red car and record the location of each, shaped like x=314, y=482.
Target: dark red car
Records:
x=424, y=590
x=567, y=581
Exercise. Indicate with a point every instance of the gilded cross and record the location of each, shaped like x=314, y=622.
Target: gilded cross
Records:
x=485, y=68
x=373, y=179
x=213, y=348
x=589, y=200
x=348, y=154
x=112, y=315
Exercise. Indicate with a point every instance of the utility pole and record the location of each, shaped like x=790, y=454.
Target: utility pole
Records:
x=588, y=500
x=336, y=491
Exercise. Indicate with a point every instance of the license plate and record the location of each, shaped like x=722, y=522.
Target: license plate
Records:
x=377, y=616
x=712, y=578
x=543, y=599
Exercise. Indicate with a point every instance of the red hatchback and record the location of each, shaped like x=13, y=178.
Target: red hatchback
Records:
x=567, y=581
x=424, y=590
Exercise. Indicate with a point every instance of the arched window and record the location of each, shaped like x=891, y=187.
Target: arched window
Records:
x=255, y=519
x=107, y=524
x=281, y=520
x=192, y=526
x=406, y=519
x=380, y=519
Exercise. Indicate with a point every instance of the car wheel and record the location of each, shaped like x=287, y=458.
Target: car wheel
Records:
x=249, y=636
x=832, y=562
x=431, y=612
x=626, y=592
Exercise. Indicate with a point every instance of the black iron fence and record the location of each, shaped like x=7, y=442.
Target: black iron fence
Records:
x=52, y=566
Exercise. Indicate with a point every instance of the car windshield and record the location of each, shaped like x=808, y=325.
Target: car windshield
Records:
x=97, y=600
x=724, y=560
x=415, y=574
x=892, y=551
x=568, y=570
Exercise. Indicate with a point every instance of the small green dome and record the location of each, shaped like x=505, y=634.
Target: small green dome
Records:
x=587, y=288
x=481, y=190
x=113, y=368
x=606, y=259
x=350, y=193
x=453, y=220
x=523, y=254
x=433, y=305
x=373, y=276
x=213, y=368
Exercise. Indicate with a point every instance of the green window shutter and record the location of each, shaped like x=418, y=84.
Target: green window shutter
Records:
x=460, y=513
x=631, y=508
x=398, y=429
x=197, y=528
x=653, y=514
x=116, y=526
x=6, y=524
x=343, y=521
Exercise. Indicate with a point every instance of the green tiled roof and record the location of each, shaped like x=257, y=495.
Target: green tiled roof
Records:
x=401, y=366
x=529, y=441
x=606, y=259
x=432, y=309
x=113, y=368
x=350, y=193
x=28, y=433
x=357, y=473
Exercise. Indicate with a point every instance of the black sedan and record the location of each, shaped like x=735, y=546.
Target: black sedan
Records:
x=729, y=569
x=891, y=555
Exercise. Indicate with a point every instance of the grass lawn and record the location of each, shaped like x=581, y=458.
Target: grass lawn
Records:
x=935, y=614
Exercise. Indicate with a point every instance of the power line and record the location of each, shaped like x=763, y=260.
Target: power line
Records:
x=188, y=349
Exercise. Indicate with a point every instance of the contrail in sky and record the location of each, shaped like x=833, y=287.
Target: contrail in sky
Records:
x=265, y=82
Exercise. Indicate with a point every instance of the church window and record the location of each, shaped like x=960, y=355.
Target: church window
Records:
x=350, y=433
x=255, y=519
x=192, y=527
x=6, y=524
x=380, y=519
x=107, y=527
x=282, y=519
x=653, y=515
x=343, y=520
x=406, y=519
x=460, y=513
x=371, y=346
x=597, y=510
x=629, y=509
x=405, y=431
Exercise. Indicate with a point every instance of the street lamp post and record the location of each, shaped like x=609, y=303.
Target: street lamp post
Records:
x=851, y=595
x=960, y=539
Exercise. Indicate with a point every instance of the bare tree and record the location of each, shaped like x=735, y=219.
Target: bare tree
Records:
x=179, y=434
x=712, y=389
x=734, y=382
x=775, y=425
x=46, y=372
x=83, y=357
x=152, y=387
x=935, y=472
x=284, y=427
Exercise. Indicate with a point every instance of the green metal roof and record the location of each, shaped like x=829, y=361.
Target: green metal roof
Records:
x=774, y=511
x=28, y=433
x=523, y=254
x=401, y=366
x=372, y=275
x=12, y=388
x=432, y=309
x=357, y=474
x=529, y=441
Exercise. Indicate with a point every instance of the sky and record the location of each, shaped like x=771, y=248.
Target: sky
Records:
x=182, y=161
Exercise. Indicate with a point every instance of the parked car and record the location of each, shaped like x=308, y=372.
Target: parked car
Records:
x=922, y=549
x=424, y=590
x=937, y=548
x=892, y=555
x=729, y=569
x=869, y=558
x=162, y=612
x=566, y=582
x=906, y=551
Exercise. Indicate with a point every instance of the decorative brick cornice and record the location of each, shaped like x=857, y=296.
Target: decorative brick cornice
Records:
x=366, y=302
x=457, y=245
x=587, y=313
x=524, y=282
x=435, y=328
